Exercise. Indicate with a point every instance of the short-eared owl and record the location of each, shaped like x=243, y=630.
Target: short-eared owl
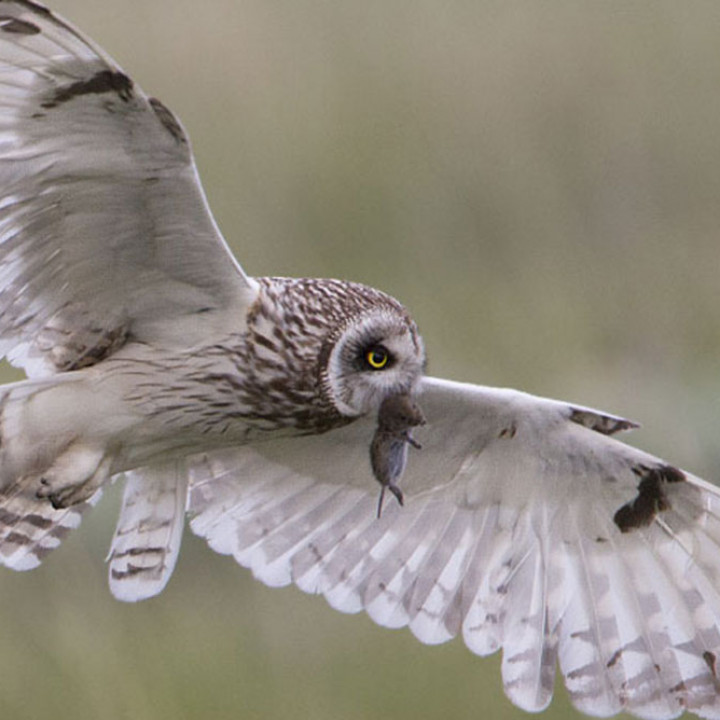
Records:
x=277, y=412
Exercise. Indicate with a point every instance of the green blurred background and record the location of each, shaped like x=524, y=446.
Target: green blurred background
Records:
x=537, y=181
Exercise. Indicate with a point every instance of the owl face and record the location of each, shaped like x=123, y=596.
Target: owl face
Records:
x=319, y=353
x=378, y=353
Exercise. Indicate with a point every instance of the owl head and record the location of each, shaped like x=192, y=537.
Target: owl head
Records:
x=352, y=346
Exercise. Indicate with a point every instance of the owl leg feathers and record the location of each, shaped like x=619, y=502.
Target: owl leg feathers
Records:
x=50, y=471
x=74, y=476
x=56, y=452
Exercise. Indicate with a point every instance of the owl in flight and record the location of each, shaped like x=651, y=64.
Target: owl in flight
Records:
x=276, y=412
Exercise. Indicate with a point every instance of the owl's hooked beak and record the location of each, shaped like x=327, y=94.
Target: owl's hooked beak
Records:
x=397, y=416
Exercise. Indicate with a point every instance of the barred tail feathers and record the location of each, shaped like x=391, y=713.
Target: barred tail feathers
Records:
x=148, y=534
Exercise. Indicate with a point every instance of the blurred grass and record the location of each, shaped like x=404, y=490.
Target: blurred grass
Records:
x=538, y=182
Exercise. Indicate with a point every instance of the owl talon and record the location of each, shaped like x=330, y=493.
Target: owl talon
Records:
x=74, y=477
x=65, y=497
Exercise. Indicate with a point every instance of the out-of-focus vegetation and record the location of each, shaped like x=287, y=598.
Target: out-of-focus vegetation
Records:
x=538, y=182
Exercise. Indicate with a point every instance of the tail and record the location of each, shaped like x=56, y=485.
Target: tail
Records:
x=147, y=538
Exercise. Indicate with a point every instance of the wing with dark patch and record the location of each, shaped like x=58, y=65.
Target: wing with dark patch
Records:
x=509, y=537
x=652, y=496
x=105, y=234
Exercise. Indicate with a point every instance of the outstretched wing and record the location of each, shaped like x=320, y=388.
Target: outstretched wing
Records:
x=105, y=234
x=526, y=527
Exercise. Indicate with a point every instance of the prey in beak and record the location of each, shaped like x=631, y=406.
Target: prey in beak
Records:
x=397, y=416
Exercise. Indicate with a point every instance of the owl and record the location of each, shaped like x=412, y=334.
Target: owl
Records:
x=276, y=412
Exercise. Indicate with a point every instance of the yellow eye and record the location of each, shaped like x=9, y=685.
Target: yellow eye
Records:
x=377, y=357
